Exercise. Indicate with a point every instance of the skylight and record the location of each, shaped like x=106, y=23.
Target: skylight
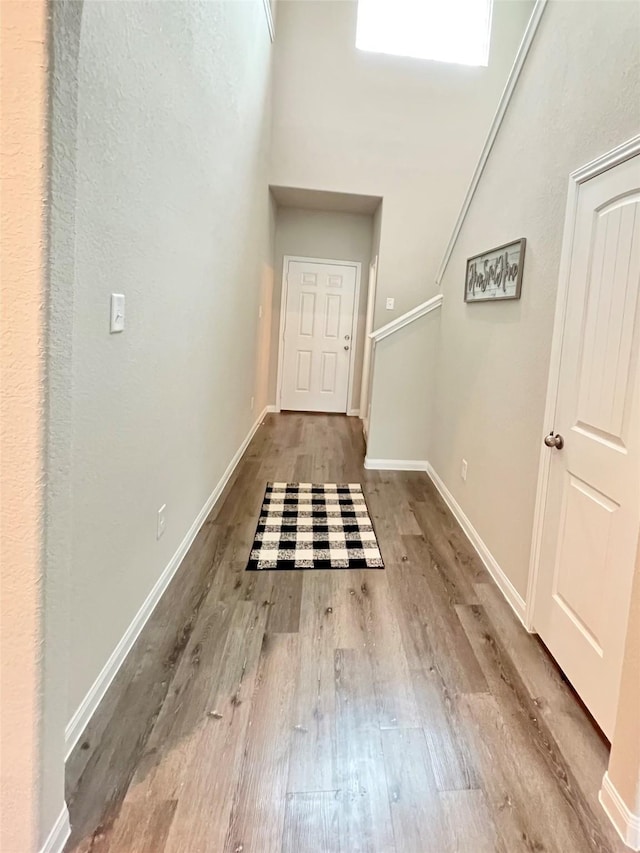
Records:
x=456, y=31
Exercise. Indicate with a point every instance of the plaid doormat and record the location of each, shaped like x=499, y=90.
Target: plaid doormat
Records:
x=307, y=526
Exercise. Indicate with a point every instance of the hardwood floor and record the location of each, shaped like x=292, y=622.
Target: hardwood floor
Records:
x=402, y=710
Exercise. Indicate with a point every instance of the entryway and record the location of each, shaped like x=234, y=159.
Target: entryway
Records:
x=325, y=244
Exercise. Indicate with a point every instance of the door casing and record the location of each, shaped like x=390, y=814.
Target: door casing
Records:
x=354, y=325
x=367, y=356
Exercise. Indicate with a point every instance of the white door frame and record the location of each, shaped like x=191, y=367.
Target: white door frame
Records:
x=367, y=355
x=590, y=170
x=354, y=323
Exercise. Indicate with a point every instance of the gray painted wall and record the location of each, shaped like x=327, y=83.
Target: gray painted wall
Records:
x=171, y=209
x=408, y=130
x=65, y=34
x=578, y=97
x=404, y=129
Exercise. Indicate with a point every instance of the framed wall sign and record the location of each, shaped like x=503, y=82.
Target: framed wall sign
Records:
x=496, y=274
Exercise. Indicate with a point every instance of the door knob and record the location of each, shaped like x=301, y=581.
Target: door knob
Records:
x=347, y=337
x=346, y=347
x=556, y=441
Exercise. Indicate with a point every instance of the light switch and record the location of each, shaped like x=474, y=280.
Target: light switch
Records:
x=391, y=302
x=117, y=312
x=162, y=521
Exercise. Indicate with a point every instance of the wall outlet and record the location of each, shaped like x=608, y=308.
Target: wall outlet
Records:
x=253, y=399
x=260, y=312
x=391, y=303
x=463, y=470
x=162, y=521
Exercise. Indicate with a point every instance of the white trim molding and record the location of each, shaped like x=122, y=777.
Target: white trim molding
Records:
x=60, y=832
x=395, y=464
x=625, y=821
x=89, y=704
x=404, y=320
x=497, y=573
x=612, y=158
x=507, y=94
x=504, y=584
x=601, y=164
x=268, y=11
x=367, y=353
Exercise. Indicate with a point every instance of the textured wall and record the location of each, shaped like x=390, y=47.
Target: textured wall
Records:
x=578, y=96
x=402, y=392
x=172, y=209
x=66, y=20
x=321, y=234
x=23, y=69
x=405, y=129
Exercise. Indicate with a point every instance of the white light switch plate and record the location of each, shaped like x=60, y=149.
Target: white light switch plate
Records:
x=162, y=521
x=391, y=302
x=117, y=312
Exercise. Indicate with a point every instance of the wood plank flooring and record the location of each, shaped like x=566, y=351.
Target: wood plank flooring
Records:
x=403, y=711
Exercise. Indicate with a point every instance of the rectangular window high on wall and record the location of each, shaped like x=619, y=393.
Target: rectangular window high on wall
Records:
x=455, y=31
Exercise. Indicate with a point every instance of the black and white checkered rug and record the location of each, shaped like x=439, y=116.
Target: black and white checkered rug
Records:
x=307, y=526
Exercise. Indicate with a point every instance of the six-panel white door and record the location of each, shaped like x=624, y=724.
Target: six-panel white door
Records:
x=317, y=338
x=592, y=510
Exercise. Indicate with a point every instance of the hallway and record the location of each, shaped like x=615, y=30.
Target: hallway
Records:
x=398, y=710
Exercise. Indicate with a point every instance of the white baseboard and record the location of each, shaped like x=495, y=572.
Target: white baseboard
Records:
x=625, y=821
x=395, y=464
x=60, y=832
x=506, y=587
x=81, y=717
x=352, y=413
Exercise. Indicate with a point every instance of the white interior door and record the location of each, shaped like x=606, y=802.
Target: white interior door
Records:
x=592, y=510
x=318, y=336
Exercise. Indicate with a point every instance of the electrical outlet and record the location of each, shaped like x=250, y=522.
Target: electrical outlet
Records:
x=391, y=303
x=260, y=312
x=463, y=470
x=252, y=402
x=162, y=521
